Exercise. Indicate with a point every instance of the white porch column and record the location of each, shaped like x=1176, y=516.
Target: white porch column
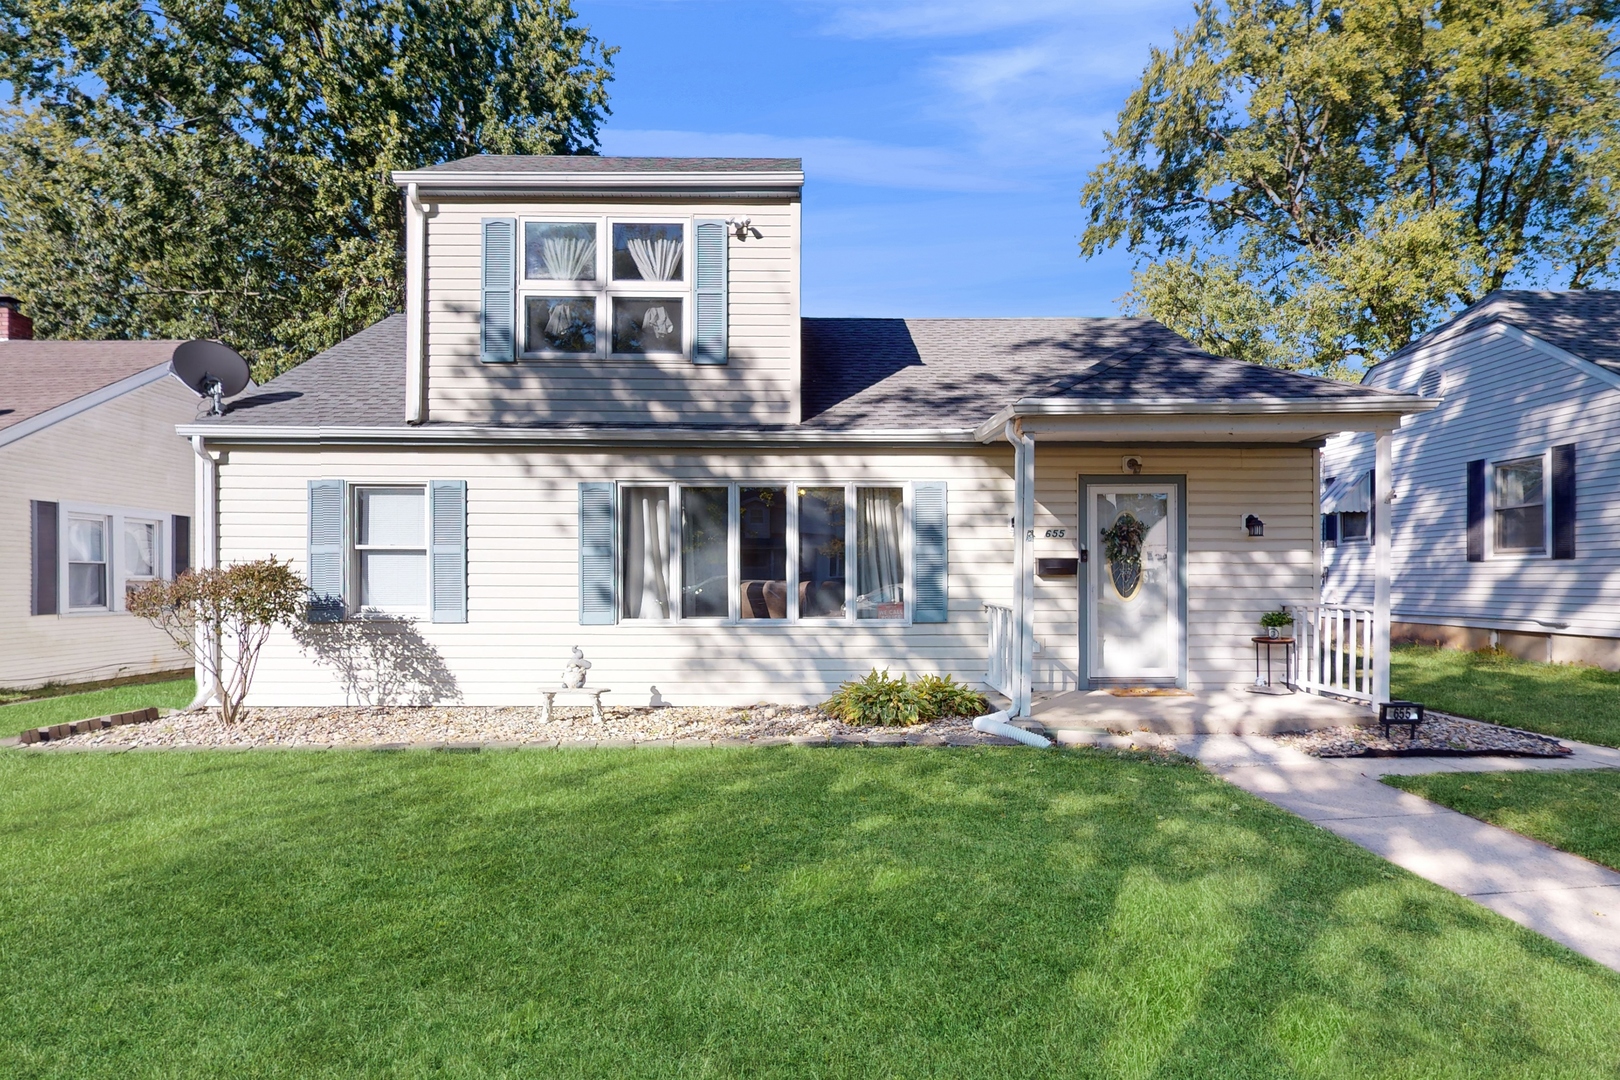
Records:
x=1383, y=511
x=1023, y=566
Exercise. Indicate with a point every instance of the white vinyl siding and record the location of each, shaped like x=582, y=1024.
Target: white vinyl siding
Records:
x=759, y=383
x=1232, y=578
x=122, y=453
x=523, y=566
x=1504, y=399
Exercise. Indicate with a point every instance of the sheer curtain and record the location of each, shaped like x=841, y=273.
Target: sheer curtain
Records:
x=880, y=561
x=658, y=260
x=646, y=553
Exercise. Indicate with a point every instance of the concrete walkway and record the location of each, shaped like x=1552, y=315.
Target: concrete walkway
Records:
x=1563, y=896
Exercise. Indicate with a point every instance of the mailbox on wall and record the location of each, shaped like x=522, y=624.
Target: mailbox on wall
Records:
x=1057, y=567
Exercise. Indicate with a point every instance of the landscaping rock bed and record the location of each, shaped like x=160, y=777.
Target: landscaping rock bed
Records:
x=1439, y=735
x=457, y=726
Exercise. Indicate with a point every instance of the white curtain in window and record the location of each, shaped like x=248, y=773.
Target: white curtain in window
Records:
x=879, y=531
x=569, y=258
x=140, y=542
x=657, y=260
x=646, y=553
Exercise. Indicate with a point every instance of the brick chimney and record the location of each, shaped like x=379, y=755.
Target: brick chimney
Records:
x=14, y=325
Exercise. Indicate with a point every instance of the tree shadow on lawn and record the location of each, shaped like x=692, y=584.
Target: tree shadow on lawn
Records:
x=1571, y=701
x=789, y=912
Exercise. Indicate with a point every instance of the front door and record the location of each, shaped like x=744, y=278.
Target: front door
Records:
x=1133, y=582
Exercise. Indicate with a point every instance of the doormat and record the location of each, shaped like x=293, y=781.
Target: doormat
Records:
x=1149, y=691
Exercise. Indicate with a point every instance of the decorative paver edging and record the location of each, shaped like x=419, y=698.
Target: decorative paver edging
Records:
x=83, y=727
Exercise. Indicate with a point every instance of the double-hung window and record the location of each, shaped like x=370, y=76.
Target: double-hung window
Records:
x=142, y=552
x=598, y=287
x=390, y=549
x=88, y=566
x=1519, y=506
x=769, y=552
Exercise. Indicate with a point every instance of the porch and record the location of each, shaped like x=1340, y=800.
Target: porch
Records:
x=1204, y=712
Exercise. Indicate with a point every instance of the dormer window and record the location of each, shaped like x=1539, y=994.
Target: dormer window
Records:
x=580, y=298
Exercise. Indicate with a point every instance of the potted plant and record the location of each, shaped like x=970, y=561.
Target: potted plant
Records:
x=1274, y=621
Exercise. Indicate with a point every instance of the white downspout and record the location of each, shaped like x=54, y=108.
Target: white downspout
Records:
x=415, y=308
x=207, y=533
x=1383, y=511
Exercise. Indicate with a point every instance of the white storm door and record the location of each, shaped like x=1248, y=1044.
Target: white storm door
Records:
x=1133, y=601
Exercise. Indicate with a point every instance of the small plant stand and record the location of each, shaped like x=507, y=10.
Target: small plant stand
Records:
x=594, y=695
x=1263, y=684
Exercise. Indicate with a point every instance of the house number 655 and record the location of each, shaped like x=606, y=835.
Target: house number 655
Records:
x=1056, y=534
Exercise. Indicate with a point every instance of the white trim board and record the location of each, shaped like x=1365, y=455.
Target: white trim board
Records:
x=83, y=403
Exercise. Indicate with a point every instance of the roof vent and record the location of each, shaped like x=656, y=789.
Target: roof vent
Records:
x=14, y=325
x=1432, y=383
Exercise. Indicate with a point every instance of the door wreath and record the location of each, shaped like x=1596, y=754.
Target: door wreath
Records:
x=1122, y=545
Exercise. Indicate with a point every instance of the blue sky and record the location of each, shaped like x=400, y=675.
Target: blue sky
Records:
x=945, y=142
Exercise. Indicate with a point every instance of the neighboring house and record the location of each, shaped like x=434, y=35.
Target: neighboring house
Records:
x=1506, y=518
x=602, y=422
x=96, y=494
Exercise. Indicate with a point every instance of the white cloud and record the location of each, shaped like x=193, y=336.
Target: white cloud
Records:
x=854, y=161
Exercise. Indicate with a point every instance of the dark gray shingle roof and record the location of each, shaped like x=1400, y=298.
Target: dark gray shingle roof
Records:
x=1585, y=322
x=359, y=382
x=887, y=374
x=897, y=373
x=518, y=164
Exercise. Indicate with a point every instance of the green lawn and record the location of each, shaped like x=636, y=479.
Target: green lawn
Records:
x=1563, y=700
x=785, y=912
x=1577, y=812
x=66, y=708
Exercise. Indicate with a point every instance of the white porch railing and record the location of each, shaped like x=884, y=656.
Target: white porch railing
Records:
x=1003, y=644
x=1338, y=651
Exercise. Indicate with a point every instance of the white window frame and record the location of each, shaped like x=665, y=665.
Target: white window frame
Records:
x=734, y=551
x=113, y=518
x=1491, y=550
x=128, y=577
x=604, y=289
x=359, y=609
x=1364, y=538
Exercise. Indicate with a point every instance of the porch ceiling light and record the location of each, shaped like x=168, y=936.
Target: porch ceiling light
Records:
x=1255, y=526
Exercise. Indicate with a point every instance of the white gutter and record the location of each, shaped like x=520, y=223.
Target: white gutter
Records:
x=458, y=434
x=1381, y=404
x=415, y=308
x=206, y=529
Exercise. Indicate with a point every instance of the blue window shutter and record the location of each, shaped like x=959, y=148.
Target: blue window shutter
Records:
x=1563, y=501
x=596, y=563
x=448, y=560
x=326, y=551
x=709, y=327
x=1476, y=510
x=497, y=338
x=930, y=564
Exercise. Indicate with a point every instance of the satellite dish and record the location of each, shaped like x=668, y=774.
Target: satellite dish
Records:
x=210, y=369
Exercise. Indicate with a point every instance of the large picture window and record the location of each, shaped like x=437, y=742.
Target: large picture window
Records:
x=764, y=552
x=1519, y=506
x=582, y=297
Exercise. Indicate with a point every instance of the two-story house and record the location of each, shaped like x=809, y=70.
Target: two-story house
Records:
x=603, y=422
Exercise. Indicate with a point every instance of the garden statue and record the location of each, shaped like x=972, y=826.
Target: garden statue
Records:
x=574, y=671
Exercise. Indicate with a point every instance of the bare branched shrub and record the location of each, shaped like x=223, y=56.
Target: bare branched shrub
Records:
x=222, y=618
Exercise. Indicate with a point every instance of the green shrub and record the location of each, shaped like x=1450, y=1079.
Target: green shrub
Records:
x=941, y=695
x=876, y=699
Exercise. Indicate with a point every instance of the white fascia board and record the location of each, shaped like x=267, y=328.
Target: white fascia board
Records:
x=428, y=179
x=1372, y=412
x=221, y=434
x=83, y=403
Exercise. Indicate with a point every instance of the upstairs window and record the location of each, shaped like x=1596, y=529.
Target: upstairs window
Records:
x=582, y=297
x=1519, y=506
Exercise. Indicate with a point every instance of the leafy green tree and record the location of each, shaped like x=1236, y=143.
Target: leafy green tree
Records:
x=1315, y=185
x=180, y=168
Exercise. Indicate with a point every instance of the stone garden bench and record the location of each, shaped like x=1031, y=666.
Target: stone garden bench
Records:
x=594, y=695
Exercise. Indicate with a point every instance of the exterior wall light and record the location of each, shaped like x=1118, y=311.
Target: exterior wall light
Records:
x=1255, y=526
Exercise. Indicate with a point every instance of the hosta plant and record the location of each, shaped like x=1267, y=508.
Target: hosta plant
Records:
x=941, y=695
x=876, y=700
